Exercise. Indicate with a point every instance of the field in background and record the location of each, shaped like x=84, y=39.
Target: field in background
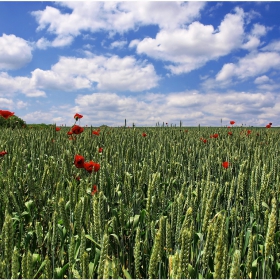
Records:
x=164, y=206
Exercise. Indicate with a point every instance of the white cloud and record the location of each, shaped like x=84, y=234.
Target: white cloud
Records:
x=253, y=40
x=273, y=46
x=112, y=17
x=11, y=85
x=15, y=52
x=11, y=105
x=59, y=41
x=21, y=104
x=118, y=44
x=252, y=43
x=258, y=30
x=252, y=65
x=38, y=117
x=6, y=103
x=191, y=48
x=262, y=79
x=192, y=108
x=109, y=73
x=70, y=74
x=167, y=15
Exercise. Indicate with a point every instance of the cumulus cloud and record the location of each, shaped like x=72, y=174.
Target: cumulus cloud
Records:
x=59, y=41
x=273, y=46
x=118, y=44
x=253, y=38
x=112, y=17
x=190, y=48
x=10, y=104
x=11, y=85
x=262, y=79
x=108, y=73
x=15, y=52
x=38, y=117
x=191, y=107
x=70, y=74
x=6, y=103
x=252, y=65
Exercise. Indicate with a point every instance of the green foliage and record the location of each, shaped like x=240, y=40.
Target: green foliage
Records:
x=12, y=122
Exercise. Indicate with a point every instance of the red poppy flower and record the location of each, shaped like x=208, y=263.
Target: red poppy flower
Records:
x=78, y=116
x=3, y=153
x=6, y=114
x=89, y=166
x=144, y=134
x=268, y=126
x=229, y=133
x=96, y=166
x=232, y=122
x=94, y=190
x=57, y=128
x=100, y=150
x=76, y=129
x=69, y=133
x=216, y=135
x=229, y=127
x=79, y=161
x=249, y=132
x=95, y=132
x=225, y=164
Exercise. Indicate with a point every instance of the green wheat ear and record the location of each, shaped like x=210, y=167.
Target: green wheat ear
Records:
x=269, y=241
x=47, y=268
x=103, y=256
x=185, y=252
x=137, y=253
x=15, y=264
x=235, y=265
x=29, y=265
x=250, y=254
x=220, y=250
x=154, y=256
x=85, y=265
x=63, y=214
x=8, y=238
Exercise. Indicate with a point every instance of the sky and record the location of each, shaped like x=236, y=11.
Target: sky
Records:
x=147, y=62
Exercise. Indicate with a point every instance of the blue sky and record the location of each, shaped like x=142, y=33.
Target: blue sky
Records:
x=146, y=62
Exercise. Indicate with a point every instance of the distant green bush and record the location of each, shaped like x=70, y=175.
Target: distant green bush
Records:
x=12, y=122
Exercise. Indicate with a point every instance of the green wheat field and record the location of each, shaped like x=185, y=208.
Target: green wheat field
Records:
x=174, y=203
